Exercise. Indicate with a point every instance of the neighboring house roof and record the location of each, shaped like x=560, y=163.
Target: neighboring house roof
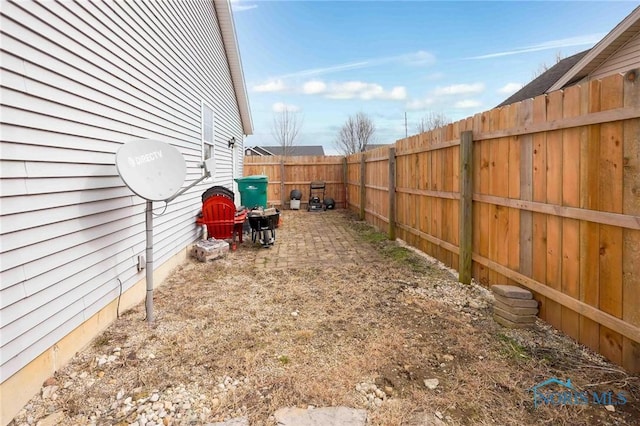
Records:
x=581, y=65
x=626, y=30
x=544, y=81
x=256, y=150
x=294, y=150
x=371, y=146
x=230, y=40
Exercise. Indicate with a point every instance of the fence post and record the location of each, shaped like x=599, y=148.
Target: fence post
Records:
x=363, y=188
x=392, y=193
x=466, y=202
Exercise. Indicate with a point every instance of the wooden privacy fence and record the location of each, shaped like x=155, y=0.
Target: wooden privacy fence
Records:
x=286, y=173
x=543, y=193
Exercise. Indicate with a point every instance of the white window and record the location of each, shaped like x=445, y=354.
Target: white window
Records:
x=208, y=131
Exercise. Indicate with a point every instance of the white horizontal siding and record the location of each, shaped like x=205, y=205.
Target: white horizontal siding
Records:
x=79, y=79
x=44, y=202
x=625, y=59
x=29, y=220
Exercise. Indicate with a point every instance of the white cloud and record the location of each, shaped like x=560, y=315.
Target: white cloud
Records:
x=469, y=103
x=365, y=91
x=349, y=89
x=420, y=58
x=418, y=104
x=270, y=86
x=398, y=93
x=243, y=8
x=354, y=90
x=434, y=76
x=452, y=95
x=282, y=107
x=510, y=88
x=237, y=7
x=314, y=87
x=459, y=89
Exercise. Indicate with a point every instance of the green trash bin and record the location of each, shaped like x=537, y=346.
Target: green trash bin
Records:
x=253, y=191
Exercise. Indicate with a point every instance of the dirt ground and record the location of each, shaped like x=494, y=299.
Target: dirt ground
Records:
x=373, y=331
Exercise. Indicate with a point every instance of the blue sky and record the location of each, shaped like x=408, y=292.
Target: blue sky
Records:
x=327, y=60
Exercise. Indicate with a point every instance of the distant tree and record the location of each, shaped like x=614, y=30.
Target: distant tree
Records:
x=355, y=134
x=285, y=129
x=542, y=68
x=431, y=121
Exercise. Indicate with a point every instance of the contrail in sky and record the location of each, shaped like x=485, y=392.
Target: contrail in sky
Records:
x=554, y=44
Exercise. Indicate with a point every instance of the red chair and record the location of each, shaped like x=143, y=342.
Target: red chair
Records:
x=218, y=215
x=221, y=219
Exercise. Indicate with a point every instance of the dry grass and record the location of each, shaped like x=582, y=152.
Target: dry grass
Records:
x=308, y=336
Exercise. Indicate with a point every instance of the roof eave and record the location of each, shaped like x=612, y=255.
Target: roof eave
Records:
x=601, y=46
x=230, y=41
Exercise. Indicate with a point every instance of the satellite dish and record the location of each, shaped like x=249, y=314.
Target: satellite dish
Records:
x=152, y=169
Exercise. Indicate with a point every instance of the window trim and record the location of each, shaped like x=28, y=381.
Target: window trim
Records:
x=204, y=104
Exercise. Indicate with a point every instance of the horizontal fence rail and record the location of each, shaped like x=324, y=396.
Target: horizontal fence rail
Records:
x=543, y=194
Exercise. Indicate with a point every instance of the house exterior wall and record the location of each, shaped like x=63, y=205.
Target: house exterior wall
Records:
x=628, y=57
x=80, y=79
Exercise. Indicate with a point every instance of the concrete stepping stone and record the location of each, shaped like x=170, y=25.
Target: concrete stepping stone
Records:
x=514, y=307
x=511, y=292
x=326, y=416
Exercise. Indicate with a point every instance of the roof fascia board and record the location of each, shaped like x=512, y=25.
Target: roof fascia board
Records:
x=597, y=49
x=254, y=151
x=230, y=41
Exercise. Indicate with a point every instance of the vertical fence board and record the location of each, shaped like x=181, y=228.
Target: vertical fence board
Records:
x=345, y=182
x=526, y=191
x=492, y=209
x=539, y=255
x=501, y=189
x=416, y=180
x=571, y=197
x=392, y=193
x=483, y=209
x=513, y=180
x=554, y=196
x=631, y=238
x=611, y=175
x=455, y=187
x=363, y=189
x=589, y=231
x=435, y=203
x=477, y=166
x=283, y=179
x=447, y=205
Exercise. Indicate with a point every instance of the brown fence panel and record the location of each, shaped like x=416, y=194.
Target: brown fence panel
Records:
x=555, y=189
x=377, y=187
x=353, y=177
x=631, y=237
x=427, y=198
x=576, y=215
x=299, y=172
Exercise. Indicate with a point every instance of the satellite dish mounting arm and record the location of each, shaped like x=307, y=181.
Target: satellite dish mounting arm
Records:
x=208, y=166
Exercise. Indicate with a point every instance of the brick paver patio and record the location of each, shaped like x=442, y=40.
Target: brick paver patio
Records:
x=304, y=239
